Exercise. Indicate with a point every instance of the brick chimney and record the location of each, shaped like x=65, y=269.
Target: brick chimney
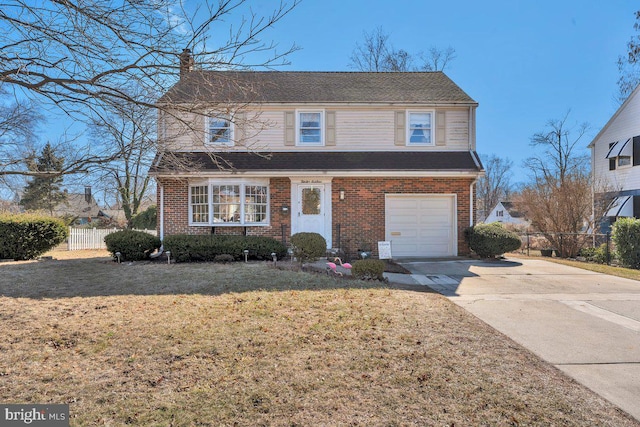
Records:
x=186, y=62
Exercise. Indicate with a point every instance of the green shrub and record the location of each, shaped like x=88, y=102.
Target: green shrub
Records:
x=626, y=237
x=597, y=255
x=145, y=220
x=489, y=240
x=224, y=258
x=308, y=246
x=190, y=248
x=27, y=236
x=132, y=245
x=368, y=269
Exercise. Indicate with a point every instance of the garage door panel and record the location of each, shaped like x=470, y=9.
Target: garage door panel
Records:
x=421, y=225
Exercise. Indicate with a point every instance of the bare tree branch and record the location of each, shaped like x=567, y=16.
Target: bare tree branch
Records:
x=80, y=57
x=495, y=185
x=629, y=64
x=376, y=53
x=559, y=197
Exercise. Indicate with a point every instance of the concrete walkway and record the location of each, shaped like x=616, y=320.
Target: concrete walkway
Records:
x=586, y=324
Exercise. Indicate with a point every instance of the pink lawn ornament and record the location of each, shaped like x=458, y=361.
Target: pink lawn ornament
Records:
x=343, y=264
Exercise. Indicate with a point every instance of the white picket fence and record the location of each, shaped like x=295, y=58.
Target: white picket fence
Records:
x=91, y=238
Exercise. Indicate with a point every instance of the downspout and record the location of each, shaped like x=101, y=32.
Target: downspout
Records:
x=472, y=201
x=161, y=228
x=162, y=214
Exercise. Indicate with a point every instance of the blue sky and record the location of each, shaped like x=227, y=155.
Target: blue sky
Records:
x=524, y=62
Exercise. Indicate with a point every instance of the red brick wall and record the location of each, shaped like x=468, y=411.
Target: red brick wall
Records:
x=368, y=195
x=362, y=195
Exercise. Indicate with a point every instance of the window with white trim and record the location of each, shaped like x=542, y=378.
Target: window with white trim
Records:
x=620, y=153
x=199, y=198
x=420, y=128
x=624, y=161
x=309, y=128
x=227, y=203
x=219, y=130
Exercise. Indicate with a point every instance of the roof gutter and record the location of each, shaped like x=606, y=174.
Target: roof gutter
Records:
x=338, y=173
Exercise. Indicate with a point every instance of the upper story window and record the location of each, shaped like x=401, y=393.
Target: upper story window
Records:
x=309, y=128
x=500, y=213
x=620, y=153
x=420, y=128
x=219, y=130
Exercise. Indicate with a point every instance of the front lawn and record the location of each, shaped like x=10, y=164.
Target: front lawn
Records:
x=246, y=344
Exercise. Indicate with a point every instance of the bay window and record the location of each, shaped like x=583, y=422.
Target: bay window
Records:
x=219, y=203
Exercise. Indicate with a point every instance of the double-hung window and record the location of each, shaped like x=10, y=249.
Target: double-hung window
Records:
x=226, y=203
x=219, y=129
x=420, y=128
x=199, y=203
x=309, y=128
x=620, y=153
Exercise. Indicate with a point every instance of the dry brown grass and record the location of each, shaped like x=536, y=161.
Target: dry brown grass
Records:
x=201, y=344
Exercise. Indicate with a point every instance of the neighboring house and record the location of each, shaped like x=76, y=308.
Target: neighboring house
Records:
x=358, y=157
x=81, y=206
x=615, y=164
x=506, y=213
x=115, y=217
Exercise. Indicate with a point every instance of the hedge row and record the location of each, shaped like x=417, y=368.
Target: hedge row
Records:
x=186, y=248
x=27, y=236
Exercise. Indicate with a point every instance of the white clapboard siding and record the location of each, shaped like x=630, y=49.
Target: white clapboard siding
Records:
x=91, y=238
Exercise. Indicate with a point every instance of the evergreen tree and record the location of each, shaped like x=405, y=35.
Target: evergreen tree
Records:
x=43, y=191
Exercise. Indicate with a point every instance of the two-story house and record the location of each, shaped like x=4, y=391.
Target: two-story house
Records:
x=358, y=157
x=506, y=213
x=615, y=164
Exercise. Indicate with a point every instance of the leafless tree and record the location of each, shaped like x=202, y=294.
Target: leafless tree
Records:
x=495, y=185
x=629, y=64
x=130, y=131
x=438, y=59
x=78, y=57
x=558, y=200
x=19, y=120
x=371, y=54
x=559, y=158
x=377, y=54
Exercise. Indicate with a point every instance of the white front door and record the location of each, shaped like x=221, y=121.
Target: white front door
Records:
x=312, y=213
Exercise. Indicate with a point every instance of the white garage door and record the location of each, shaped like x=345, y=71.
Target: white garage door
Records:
x=421, y=225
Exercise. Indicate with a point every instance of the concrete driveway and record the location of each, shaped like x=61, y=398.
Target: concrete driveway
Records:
x=586, y=324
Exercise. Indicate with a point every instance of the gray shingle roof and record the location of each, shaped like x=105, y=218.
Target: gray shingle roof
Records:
x=326, y=161
x=316, y=87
